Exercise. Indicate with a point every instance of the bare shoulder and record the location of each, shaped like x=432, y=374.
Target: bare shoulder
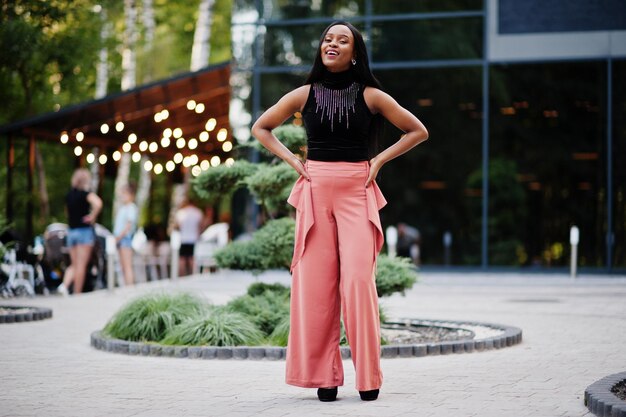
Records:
x=376, y=99
x=296, y=99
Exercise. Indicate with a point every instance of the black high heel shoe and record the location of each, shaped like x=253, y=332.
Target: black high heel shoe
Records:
x=327, y=394
x=369, y=395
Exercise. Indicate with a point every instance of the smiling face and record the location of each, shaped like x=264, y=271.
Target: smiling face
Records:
x=337, y=49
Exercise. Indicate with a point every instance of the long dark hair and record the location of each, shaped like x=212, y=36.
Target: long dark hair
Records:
x=361, y=72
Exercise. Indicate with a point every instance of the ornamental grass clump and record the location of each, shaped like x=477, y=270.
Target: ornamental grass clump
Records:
x=150, y=317
x=217, y=327
x=266, y=305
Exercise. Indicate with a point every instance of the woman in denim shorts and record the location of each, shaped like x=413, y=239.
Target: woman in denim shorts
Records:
x=83, y=207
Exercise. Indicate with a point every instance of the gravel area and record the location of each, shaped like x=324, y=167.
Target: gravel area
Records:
x=619, y=390
x=397, y=335
x=5, y=311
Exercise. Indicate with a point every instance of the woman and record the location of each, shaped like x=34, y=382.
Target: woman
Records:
x=83, y=207
x=337, y=203
x=124, y=228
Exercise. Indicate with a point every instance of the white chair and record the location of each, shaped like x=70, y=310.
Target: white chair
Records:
x=213, y=238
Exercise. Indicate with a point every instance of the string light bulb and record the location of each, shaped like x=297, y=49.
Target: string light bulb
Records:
x=119, y=126
x=80, y=136
x=222, y=135
x=103, y=159
x=78, y=151
x=132, y=138
x=136, y=156
x=104, y=128
x=64, y=138
x=191, y=104
x=90, y=158
x=210, y=124
x=117, y=155
x=204, y=136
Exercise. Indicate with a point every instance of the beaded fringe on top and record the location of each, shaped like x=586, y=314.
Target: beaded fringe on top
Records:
x=330, y=102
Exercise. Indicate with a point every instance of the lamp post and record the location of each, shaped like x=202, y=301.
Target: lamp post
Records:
x=574, y=237
x=111, y=251
x=391, y=237
x=175, y=242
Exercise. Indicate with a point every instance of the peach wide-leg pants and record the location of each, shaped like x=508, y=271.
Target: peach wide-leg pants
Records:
x=338, y=236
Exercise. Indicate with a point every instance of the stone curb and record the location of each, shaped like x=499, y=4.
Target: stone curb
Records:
x=509, y=336
x=38, y=313
x=601, y=401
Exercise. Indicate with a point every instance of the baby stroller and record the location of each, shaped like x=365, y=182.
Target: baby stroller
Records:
x=20, y=272
x=56, y=257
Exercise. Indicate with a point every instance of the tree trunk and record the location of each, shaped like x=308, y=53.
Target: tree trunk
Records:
x=129, y=58
x=145, y=177
x=102, y=69
x=102, y=80
x=44, y=199
x=149, y=24
x=202, y=36
x=143, y=188
x=200, y=53
x=129, y=62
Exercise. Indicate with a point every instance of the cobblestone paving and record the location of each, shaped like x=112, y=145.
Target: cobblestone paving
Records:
x=574, y=333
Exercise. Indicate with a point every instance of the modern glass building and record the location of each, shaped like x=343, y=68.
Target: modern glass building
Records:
x=525, y=103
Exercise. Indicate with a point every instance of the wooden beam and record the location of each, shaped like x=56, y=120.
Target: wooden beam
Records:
x=30, y=188
x=10, y=168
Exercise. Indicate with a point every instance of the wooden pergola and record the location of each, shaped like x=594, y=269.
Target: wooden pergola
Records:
x=177, y=122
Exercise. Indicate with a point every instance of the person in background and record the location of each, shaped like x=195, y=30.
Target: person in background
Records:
x=124, y=229
x=409, y=240
x=189, y=220
x=83, y=207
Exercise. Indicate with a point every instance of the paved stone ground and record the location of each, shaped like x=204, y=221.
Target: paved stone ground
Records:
x=574, y=334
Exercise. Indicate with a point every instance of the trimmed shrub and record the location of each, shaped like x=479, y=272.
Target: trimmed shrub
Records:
x=151, y=317
x=258, y=288
x=221, y=181
x=394, y=275
x=293, y=137
x=218, y=327
x=271, y=247
x=271, y=185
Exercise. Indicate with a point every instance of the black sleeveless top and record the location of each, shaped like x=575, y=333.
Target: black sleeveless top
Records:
x=77, y=208
x=337, y=119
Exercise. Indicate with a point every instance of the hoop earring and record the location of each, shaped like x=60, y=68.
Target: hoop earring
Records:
x=353, y=61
